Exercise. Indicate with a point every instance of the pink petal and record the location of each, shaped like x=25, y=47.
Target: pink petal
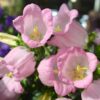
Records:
x=75, y=36
x=5, y=94
x=22, y=61
x=92, y=92
x=45, y=70
x=84, y=83
x=3, y=69
x=32, y=17
x=63, y=89
x=73, y=13
x=18, y=24
x=12, y=85
x=47, y=17
x=92, y=61
x=62, y=19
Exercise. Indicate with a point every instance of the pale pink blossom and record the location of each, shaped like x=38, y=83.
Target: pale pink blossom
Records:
x=62, y=21
x=71, y=68
x=67, y=32
x=92, y=92
x=20, y=63
x=35, y=25
x=9, y=89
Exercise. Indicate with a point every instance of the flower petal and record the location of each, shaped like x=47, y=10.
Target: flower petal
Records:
x=92, y=61
x=45, y=70
x=75, y=36
x=84, y=83
x=63, y=89
x=3, y=69
x=21, y=62
x=5, y=94
x=12, y=85
x=92, y=92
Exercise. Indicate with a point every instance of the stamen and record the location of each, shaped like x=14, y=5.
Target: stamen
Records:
x=10, y=74
x=80, y=72
x=55, y=70
x=36, y=35
x=58, y=28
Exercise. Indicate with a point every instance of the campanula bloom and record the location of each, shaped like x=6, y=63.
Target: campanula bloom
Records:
x=20, y=62
x=35, y=25
x=71, y=68
x=10, y=89
x=62, y=21
x=67, y=32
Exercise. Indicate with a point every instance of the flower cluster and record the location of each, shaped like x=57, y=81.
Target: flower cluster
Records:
x=69, y=69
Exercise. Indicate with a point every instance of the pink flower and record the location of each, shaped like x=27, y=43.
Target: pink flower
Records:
x=64, y=18
x=20, y=63
x=92, y=92
x=9, y=89
x=35, y=25
x=67, y=31
x=63, y=98
x=70, y=68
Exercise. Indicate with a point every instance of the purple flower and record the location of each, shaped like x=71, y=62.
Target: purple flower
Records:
x=4, y=49
x=8, y=21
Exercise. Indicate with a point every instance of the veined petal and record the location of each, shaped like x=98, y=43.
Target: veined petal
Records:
x=63, y=19
x=92, y=92
x=45, y=70
x=92, y=61
x=35, y=26
x=75, y=36
x=3, y=69
x=18, y=24
x=63, y=89
x=5, y=94
x=21, y=62
x=12, y=85
x=84, y=83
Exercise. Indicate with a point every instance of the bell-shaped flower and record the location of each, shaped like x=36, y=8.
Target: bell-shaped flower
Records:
x=92, y=92
x=67, y=32
x=10, y=89
x=71, y=68
x=20, y=63
x=62, y=21
x=35, y=25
